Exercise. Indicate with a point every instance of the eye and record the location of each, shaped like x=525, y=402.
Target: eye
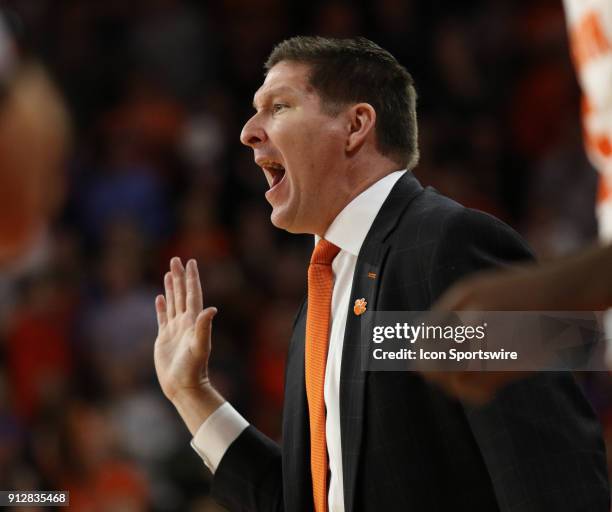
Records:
x=277, y=107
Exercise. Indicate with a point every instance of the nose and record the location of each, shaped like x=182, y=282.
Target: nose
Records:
x=252, y=133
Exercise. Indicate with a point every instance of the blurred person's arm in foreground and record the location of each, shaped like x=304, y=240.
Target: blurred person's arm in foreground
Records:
x=182, y=351
x=579, y=282
x=583, y=281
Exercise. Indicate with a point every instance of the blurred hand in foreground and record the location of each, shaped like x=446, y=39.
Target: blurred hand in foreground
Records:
x=579, y=282
x=488, y=291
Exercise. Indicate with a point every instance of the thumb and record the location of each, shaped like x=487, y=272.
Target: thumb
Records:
x=203, y=330
x=456, y=298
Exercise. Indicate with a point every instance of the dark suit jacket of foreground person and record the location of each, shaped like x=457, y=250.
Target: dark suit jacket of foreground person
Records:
x=405, y=445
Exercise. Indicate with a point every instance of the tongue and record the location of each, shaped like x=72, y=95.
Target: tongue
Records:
x=278, y=176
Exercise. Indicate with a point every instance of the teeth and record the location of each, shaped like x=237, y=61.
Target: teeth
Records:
x=274, y=166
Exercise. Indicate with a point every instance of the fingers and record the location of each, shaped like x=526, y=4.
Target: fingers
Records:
x=160, y=309
x=183, y=289
x=203, y=331
x=194, y=289
x=169, y=289
x=178, y=283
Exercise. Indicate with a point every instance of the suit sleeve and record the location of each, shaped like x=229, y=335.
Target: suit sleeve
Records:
x=249, y=477
x=539, y=437
x=542, y=446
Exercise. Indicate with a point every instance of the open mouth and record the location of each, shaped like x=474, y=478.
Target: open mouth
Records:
x=274, y=172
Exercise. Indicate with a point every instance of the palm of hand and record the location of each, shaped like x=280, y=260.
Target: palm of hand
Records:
x=183, y=343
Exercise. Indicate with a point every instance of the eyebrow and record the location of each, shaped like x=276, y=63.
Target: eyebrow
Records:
x=272, y=92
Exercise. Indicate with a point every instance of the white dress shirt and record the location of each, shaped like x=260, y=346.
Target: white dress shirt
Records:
x=347, y=231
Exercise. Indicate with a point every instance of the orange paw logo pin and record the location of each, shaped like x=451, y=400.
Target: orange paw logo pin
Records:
x=360, y=307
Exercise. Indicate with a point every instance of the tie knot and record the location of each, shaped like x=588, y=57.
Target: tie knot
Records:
x=324, y=253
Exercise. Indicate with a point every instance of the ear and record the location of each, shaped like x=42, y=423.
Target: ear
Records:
x=361, y=119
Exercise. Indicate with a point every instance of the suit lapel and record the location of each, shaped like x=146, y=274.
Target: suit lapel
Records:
x=370, y=263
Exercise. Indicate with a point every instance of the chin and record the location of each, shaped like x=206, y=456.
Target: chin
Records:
x=280, y=220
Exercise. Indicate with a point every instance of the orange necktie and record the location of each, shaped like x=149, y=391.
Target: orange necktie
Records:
x=320, y=287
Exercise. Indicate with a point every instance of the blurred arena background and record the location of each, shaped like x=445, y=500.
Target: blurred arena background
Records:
x=143, y=162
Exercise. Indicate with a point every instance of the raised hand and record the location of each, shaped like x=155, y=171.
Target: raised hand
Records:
x=183, y=343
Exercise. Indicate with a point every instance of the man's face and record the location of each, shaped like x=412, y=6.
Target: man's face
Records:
x=300, y=149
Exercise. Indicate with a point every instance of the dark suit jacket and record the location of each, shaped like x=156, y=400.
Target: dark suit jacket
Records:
x=537, y=447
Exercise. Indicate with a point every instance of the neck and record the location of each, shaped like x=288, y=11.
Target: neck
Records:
x=357, y=181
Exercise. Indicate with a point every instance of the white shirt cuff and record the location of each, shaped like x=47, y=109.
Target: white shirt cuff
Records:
x=217, y=433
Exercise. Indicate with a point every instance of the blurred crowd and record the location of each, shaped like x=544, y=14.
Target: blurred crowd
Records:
x=157, y=92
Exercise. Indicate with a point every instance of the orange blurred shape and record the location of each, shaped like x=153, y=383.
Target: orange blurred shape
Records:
x=33, y=143
x=589, y=40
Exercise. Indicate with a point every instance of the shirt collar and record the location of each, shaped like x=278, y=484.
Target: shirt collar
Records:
x=351, y=225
